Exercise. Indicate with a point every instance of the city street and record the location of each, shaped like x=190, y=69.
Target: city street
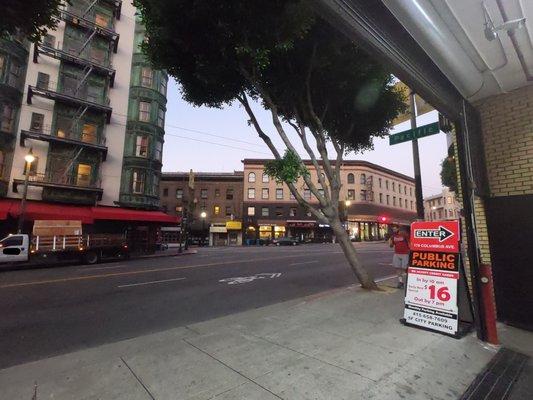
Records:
x=52, y=311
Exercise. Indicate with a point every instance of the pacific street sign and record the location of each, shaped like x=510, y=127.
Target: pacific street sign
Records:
x=416, y=133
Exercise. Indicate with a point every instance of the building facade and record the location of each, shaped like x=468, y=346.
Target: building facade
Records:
x=443, y=206
x=371, y=198
x=75, y=100
x=212, y=208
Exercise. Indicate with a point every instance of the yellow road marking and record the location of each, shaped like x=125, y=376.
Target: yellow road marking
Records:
x=145, y=271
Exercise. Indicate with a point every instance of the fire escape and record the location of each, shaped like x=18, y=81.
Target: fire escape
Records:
x=369, y=187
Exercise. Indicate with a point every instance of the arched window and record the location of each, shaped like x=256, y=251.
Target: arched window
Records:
x=251, y=177
x=265, y=178
x=351, y=178
x=363, y=179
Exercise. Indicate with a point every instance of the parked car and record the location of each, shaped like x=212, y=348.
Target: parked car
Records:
x=286, y=241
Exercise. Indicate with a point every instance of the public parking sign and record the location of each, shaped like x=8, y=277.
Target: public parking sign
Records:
x=441, y=236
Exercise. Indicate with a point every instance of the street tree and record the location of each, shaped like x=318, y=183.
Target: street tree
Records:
x=320, y=88
x=29, y=17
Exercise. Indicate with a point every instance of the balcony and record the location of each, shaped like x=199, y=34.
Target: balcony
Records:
x=66, y=136
x=78, y=182
x=81, y=98
x=75, y=17
x=69, y=55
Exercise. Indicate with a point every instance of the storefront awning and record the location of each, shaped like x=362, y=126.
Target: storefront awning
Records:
x=124, y=214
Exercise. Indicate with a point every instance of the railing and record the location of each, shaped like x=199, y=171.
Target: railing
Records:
x=71, y=134
x=89, y=17
x=75, y=242
x=85, y=55
x=76, y=180
x=76, y=93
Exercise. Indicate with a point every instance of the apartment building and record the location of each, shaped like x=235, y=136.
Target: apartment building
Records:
x=91, y=111
x=213, y=206
x=442, y=206
x=372, y=198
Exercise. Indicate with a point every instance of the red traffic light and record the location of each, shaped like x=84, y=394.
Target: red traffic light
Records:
x=383, y=219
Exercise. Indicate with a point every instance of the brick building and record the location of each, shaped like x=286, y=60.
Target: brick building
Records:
x=441, y=206
x=213, y=206
x=368, y=192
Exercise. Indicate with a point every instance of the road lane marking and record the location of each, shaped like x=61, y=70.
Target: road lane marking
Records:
x=246, y=279
x=302, y=263
x=144, y=271
x=151, y=282
x=385, y=263
x=97, y=268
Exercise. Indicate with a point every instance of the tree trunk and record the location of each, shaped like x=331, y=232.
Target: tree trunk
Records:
x=364, y=277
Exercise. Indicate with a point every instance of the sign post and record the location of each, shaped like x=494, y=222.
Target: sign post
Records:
x=434, y=278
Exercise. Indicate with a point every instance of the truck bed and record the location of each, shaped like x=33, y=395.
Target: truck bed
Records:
x=40, y=243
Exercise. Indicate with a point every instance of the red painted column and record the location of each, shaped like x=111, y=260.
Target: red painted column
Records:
x=489, y=303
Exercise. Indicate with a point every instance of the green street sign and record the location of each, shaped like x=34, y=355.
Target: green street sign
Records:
x=417, y=133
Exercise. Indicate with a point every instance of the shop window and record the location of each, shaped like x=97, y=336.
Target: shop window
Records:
x=138, y=182
x=179, y=193
x=203, y=193
x=37, y=122
x=251, y=211
x=363, y=179
x=351, y=178
x=84, y=175
x=165, y=192
x=43, y=80
x=229, y=194
x=251, y=177
x=264, y=211
x=251, y=193
x=279, y=211
x=292, y=212
x=264, y=193
x=141, y=146
x=216, y=210
x=351, y=194
x=88, y=133
x=307, y=194
x=217, y=192
x=161, y=118
x=266, y=178
x=144, y=111
x=147, y=77
x=228, y=211
x=279, y=194
x=158, y=150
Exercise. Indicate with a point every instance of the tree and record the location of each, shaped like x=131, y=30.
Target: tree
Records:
x=448, y=174
x=29, y=17
x=310, y=77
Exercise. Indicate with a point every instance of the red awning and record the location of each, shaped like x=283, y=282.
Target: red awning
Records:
x=124, y=214
x=39, y=210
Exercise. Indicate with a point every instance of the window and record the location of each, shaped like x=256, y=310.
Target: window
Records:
x=279, y=211
x=251, y=193
x=138, y=182
x=165, y=192
x=179, y=193
x=33, y=167
x=144, y=111
x=388, y=198
x=363, y=179
x=98, y=55
x=102, y=20
x=393, y=186
x=264, y=193
x=264, y=211
x=43, y=80
x=381, y=198
x=279, y=194
x=155, y=185
x=37, y=121
x=88, y=133
x=8, y=118
x=12, y=241
x=399, y=188
x=216, y=210
x=228, y=211
x=292, y=212
x=410, y=191
x=14, y=74
x=400, y=200
x=49, y=40
x=161, y=118
x=94, y=94
x=251, y=211
x=229, y=194
x=158, y=151
x=251, y=177
x=307, y=194
x=203, y=193
x=412, y=208
x=379, y=181
x=449, y=200
x=163, y=86
x=394, y=200
x=266, y=178
x=141, y=146
x=147, y=77
x=351, y=194
x=363, y=195
x=404, y=189
x=351, y=178
x=387, y=184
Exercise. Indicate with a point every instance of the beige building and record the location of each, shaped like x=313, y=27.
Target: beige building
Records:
x=442, y=206
x=372, y=197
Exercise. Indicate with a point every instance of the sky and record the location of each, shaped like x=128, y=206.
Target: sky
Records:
x=216, y=140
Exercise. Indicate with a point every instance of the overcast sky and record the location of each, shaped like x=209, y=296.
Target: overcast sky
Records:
x=189, y=142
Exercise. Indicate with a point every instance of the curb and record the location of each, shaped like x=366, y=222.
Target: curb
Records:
x=165, y=255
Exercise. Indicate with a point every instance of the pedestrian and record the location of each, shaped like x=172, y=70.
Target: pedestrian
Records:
x=400, y=241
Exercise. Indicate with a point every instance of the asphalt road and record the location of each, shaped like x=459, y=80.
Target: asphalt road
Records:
x=51, y=311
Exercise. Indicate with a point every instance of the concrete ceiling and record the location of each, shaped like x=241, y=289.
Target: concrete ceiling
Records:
x=454, y=34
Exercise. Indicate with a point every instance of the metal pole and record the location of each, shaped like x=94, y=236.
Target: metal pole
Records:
x=416, y=162
x=23, y=201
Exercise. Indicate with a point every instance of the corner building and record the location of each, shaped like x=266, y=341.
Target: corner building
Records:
x=371, y=198
x=79, y=116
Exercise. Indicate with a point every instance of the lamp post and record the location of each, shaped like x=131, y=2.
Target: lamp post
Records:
x=29, y=158
x=203, y=215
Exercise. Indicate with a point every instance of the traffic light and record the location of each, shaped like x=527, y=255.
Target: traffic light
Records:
x=382, y=219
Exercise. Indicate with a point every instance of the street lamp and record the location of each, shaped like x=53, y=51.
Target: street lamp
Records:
x=29, y=158
x=203, y=215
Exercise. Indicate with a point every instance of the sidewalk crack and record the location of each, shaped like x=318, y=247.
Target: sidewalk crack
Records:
x=233, y=369
x=138, y=379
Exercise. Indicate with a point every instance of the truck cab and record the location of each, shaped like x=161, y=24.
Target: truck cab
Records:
x=14, y=248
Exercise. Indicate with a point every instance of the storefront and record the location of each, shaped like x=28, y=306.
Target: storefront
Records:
x=225, y=234
x=366, y=231
x=302, y=230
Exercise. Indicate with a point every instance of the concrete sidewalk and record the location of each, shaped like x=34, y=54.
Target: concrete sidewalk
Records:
x=344, y=344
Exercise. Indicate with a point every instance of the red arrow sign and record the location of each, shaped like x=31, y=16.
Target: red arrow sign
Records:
x=441, y=236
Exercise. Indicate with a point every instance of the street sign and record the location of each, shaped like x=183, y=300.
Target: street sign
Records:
x=416, y=133
x=442, y=236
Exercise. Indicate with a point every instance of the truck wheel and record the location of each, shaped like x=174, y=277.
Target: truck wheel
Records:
x=90, y=257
